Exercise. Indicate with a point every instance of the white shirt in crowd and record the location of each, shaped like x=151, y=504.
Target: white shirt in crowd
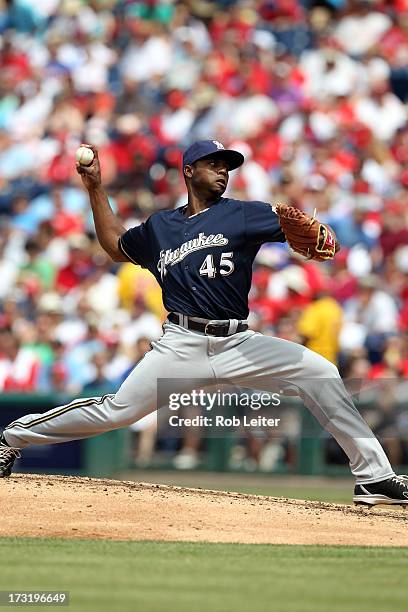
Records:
x=358, y=33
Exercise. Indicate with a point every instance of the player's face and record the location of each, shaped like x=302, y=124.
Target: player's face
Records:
x=211, y=174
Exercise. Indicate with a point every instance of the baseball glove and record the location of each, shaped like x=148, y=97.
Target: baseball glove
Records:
x=306, y=235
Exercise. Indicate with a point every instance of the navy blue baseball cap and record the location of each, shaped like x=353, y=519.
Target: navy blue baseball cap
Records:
x=205, y=148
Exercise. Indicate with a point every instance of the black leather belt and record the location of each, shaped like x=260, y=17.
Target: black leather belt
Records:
x=209, y=327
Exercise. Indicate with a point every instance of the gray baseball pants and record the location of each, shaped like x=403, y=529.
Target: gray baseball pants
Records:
x=248, y=359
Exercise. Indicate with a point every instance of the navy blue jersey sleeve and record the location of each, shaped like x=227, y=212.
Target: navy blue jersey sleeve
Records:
x=261, y=223
x=135, y=244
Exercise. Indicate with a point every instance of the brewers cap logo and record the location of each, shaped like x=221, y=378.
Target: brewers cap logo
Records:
x=218, y=144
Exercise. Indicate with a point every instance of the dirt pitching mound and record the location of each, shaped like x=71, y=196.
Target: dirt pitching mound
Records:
x=68, y=507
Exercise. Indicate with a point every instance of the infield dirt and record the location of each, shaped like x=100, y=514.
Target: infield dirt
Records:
x=71, y=507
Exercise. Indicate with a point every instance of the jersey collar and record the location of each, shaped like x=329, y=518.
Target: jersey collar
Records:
x=183, y=209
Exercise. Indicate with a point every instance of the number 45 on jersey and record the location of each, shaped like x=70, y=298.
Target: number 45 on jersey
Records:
x=226, y=265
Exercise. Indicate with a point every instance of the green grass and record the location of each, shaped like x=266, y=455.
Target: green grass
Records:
x=327, y=490
x=340, y=496
x=186, y=577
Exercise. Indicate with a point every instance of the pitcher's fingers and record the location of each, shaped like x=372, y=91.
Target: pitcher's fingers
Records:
x=82, y=169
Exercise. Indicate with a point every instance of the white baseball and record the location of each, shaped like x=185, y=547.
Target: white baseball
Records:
x=84, y=156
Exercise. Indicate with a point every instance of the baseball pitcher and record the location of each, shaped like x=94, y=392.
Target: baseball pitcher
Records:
x=201, y=254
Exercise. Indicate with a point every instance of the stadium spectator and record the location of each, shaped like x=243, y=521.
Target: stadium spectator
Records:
x=19, y=367
x=319, y=326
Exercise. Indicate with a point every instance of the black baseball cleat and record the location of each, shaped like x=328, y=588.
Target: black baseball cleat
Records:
x=8, y=455
x=394, y=490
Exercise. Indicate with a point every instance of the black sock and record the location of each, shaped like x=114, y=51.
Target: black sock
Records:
x=3, y=440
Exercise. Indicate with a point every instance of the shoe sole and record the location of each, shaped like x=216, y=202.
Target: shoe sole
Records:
x=374, y=500
x=5, y=474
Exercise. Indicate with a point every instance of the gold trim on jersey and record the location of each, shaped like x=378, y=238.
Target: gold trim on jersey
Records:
x=122, y=248
x=61, y=410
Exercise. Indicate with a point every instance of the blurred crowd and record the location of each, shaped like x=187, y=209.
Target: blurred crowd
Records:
x=313, y=93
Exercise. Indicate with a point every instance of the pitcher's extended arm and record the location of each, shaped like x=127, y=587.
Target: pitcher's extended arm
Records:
x=107, y=225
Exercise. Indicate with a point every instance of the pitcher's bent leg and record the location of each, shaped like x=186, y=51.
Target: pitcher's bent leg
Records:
x=331, y=404
x=260, y=361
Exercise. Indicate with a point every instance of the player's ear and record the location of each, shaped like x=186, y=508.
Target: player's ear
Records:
x=188, y=171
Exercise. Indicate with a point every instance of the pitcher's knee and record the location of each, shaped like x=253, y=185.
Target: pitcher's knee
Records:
x=331, y=370
x=320, y=367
